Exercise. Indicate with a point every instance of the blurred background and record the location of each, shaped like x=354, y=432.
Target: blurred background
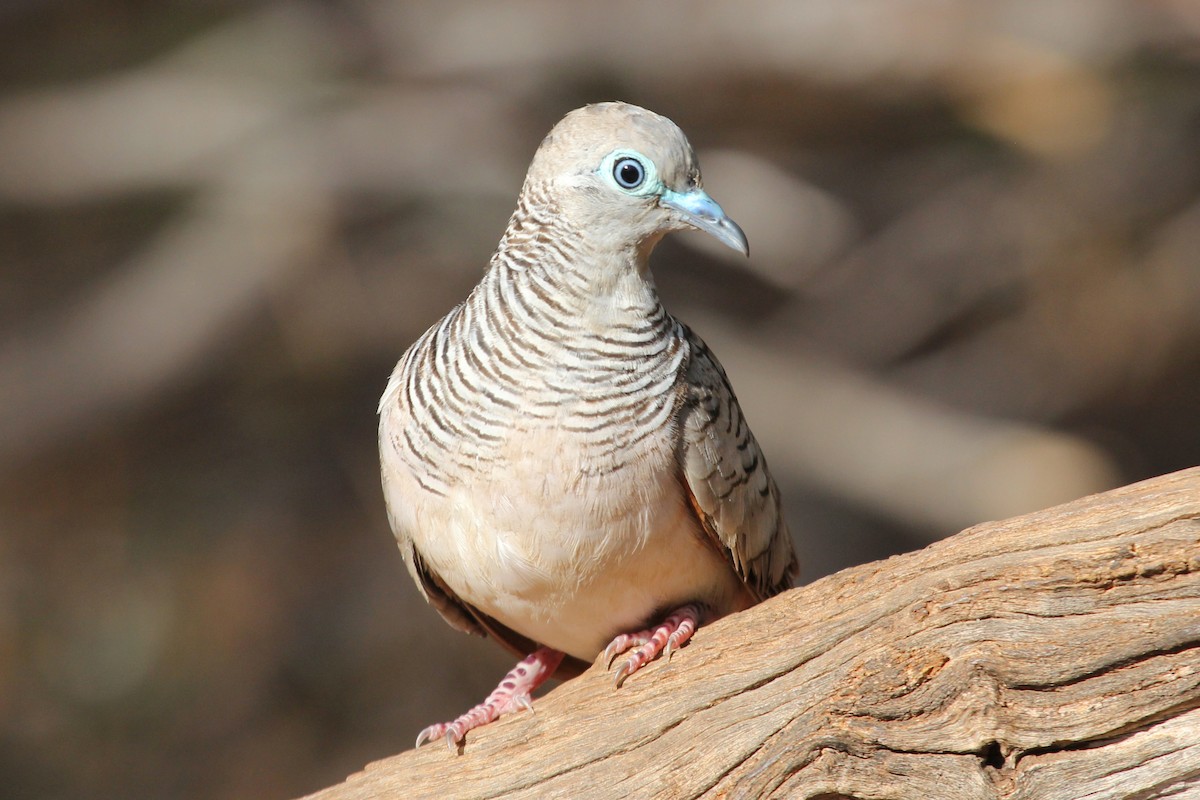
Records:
x=974, y=291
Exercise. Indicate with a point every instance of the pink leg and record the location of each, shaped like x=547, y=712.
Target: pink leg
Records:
x=512, y=694
x=673, y=632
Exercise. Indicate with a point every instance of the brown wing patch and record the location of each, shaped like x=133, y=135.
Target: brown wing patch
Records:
x=712, y=540
x=726, y=479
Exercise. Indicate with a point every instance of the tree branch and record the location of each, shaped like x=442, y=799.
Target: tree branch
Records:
x=1054, y=655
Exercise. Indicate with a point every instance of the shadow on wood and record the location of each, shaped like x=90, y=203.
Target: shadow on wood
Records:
x=1054, y=655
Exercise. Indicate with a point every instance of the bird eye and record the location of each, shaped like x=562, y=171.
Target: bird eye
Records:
x=629, y=173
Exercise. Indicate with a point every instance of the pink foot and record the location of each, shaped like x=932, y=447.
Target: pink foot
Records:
x=512, y=694
x=672, y=633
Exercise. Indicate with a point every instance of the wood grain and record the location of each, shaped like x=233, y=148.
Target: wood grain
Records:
x=1053, y=655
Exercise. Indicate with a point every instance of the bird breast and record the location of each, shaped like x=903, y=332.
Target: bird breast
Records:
x=535, y=534
x=525, y=465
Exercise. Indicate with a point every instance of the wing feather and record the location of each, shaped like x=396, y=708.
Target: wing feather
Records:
x=727, y=480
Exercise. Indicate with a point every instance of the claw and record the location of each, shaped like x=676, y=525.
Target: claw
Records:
x=513, y=694
x=673, y=643
x=666, y=638
x=623, y=643
x=424, y=736
x=624, y=672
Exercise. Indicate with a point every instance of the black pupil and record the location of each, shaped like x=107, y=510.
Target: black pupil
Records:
x=629, y=172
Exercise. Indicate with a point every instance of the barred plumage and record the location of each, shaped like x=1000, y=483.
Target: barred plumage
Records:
x=563, y=461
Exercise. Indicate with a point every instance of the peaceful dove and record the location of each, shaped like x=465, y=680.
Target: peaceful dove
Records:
x=565, y=464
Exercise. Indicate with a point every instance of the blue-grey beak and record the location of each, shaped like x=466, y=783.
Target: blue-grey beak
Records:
x=702, y=212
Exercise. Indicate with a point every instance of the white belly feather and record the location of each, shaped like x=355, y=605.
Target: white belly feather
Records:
x=565, y=557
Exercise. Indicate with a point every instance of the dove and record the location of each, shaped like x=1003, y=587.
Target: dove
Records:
x=565, y=465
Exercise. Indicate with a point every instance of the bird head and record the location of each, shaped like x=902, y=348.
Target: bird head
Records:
x=626, y=176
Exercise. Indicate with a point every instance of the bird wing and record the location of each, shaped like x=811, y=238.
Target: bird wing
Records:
x=725, y=476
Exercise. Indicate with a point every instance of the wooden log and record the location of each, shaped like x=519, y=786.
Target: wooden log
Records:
x=1053, y=655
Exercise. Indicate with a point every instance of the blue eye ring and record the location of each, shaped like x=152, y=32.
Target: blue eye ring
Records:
x=629, y=173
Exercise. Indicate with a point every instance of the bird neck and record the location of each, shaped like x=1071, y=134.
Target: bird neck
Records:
x=587, y=281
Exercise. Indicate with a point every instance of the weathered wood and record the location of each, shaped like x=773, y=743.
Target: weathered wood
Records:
x=1054, y=655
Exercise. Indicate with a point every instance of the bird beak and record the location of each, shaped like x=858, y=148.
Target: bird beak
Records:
x=702, y=213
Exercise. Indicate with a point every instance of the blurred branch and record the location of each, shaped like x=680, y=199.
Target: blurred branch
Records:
x=169, y=308
x=132, y=132
x=904, y=456
x=916, y=40
x=797, y=229
x=1111, y=328
x=184, y=119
